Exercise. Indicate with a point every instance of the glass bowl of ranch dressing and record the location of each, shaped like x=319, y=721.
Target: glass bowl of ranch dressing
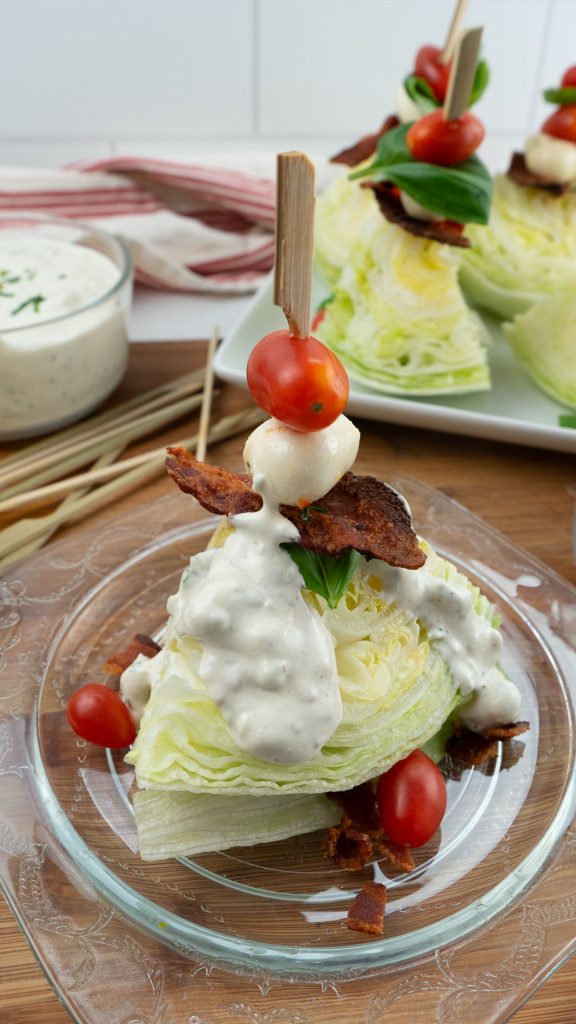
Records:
x=65, y=294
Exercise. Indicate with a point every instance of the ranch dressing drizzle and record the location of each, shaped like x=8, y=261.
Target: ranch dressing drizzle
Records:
x=465, y=639
x=268, y=660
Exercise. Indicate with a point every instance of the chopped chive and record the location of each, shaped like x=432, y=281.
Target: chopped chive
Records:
x=34, y=301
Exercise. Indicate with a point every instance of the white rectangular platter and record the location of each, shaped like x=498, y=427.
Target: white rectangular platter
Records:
x=515, y=410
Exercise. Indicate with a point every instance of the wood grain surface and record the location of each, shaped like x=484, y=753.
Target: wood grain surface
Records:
x=523, y=492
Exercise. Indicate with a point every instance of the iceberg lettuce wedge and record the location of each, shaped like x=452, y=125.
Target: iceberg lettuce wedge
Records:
x=527, y=250
x=173, y=824
x=397, y=319
x=544, y=339
x=397, y=691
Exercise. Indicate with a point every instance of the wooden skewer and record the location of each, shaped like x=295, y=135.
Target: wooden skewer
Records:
x=448, y=48
x=294, y=239
x=13, y=537
x=462, y=74
x=207, y=397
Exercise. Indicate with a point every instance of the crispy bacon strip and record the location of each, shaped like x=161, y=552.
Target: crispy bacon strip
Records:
x=506, y=732
x=447, y=232
x=365, y=147
x=218, y=490
x=473, y=748
x=367, y=911
x=140, y=644
x=522, y=175
x=359, y=512
x=359, y=836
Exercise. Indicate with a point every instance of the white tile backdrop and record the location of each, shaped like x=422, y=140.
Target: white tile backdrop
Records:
x=85, y=78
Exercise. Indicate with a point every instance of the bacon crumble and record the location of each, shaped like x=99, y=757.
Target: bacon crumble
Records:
x=474, y=748
x=364, y=147
x=447, y=232
x=140, y=644
x=359, y=512
x=522, y=175
x=367, y=911
x=359, y=837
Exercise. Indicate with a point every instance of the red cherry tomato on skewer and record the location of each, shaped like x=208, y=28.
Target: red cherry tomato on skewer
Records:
x=427, y=65
x=99, y=715
x=569, y=78
x=411, y=800
x=436, y=141
x=562, y=123
x=298, y=381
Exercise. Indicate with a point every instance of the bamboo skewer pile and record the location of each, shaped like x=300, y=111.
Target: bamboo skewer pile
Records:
x=45, y=470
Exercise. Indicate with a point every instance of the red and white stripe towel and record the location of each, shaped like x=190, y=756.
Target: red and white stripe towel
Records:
x=189, y=226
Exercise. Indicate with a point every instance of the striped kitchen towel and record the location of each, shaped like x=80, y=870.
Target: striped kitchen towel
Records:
x=190, y=226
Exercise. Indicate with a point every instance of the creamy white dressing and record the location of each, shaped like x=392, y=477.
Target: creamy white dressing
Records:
x=265, y=656
x=550, y=157
x=53, y=370
x=466, y=640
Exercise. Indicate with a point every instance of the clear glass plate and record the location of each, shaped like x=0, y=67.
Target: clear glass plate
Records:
x=257, y=933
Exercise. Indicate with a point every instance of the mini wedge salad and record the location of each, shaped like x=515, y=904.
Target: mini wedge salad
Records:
x=528, y=250
x=388, y=240
x=315, y=646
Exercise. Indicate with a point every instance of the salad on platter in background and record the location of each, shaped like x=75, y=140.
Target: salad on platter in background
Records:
x=388, y=239
x=528, y=249
x=318, y=655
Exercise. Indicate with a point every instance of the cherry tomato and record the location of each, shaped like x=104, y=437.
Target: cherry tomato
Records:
x=317, y=319
x=100, y=716
x=428, y=66
x=562, y=123
x=299, y=381
x=436, y=141
x=411, y=800
x=569, y=78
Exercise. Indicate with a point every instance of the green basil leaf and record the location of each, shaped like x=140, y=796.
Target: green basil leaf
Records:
x=564, y=95
x=565, y=420
x=391, y=149
x=481, y=79
x=324, y=574
x=458, y=193
x=421, y=94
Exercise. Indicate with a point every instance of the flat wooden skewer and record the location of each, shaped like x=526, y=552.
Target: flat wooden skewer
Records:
x=462, y=74
x=294, y=239
x=207, y=397
x=448, y=48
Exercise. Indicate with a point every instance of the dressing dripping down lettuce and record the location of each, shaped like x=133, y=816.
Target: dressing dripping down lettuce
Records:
x=397, y=691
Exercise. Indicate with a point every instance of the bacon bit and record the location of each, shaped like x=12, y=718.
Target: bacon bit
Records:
x=365, y=147
x=506, y=732
x=400, y=856
x=522, y=175
x=347, y=846
x=359, y=512
x=218, y=490
x=359, y=836
x=471, y=748
x=367, y=911
x=140, y=644
x=448, y=232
